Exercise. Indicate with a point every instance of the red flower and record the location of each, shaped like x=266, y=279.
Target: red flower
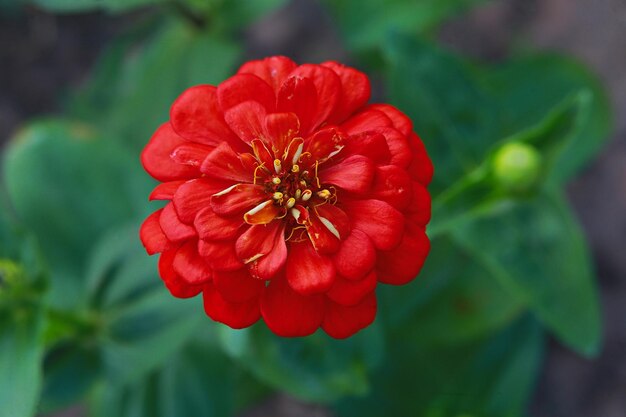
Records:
x=288, y=198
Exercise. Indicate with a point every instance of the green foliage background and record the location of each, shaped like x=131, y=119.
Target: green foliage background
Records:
x=84, y=318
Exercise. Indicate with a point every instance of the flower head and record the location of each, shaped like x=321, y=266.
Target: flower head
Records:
x=289, y=198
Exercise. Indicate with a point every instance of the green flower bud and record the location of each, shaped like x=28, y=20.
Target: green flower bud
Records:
x=517, y=166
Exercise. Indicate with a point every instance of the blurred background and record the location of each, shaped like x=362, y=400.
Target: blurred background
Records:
x=44, y=56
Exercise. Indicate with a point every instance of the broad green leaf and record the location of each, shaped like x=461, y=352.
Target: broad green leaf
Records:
x=21, y=352
x=365, y=23
x=139, y=77
x=492, y=377
x=537, y=253
x=69, y=186
x=316, y=368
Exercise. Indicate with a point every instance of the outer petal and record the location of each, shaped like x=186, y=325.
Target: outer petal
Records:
x=354, y=174
x=341, y=321
x=273, y=70
x=398, y=119
x=421, y=167
x=381, y=222
x=370, y=144
x=349, y=292
x=328, y=87
x=398, y=145
x=196, y=116
x=402, y=264
x=178, y=287
x=420, y=208
x=367, y=119
x=356, y=256
x=235, y=315
x=224, y=163
x=152, y=236
x=246, y=120
x=237, y=286
x=220, y=255
x=392, y=185
x=298, y=95
x=245, y=87
x=194, y=195
x=263, y=248
x=165, y=190
x=190, y=266
x=174, y=229
x=355, y=91
x=156, y=156
x=212, y=226
x=288, y=313
x=307, y=271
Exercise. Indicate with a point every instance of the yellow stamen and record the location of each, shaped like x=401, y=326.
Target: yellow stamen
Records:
x=291, y=202
x=295, y=168
x=277, y=166
x=306, y=194
x=325, y=194
x=298, y=194
x=277, y=195
x=276, y=180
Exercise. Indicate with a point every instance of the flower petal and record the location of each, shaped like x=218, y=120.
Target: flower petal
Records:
x=280, y=129
x=220, y=254
x=382, y=223
x=349, y=292
x=289, y=314
x=392, y=185
x=398, y=147
x=194, y=195
x=355, y=91
x=325, y=144
x=298, y=95
x=152, y=236
x=196, y=116
x=235, y=315
x=173, y=282
x=191, y=154
x=356, y=256
x=190, y=266
x=165, y=190
x=367, y=119
x=341, y=321
x=212, y=226
x=237, y=198
x=174, y=229
x=421, y=167
x=327, y=228
x=308, y=272
x=237, y=286
x=327, y=86
x=370, y=144
x=402, y=264
x=246, y=120
x=245, y=87
x=273, y=70
x=419, y=209
x=156, y=156
x=398, y=119
x=354, y=174
x=263, y=213
x=225, y=164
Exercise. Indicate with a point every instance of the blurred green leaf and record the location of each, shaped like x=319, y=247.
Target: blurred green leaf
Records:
x=365, y=23
x=69, y=186
x=487, y=378
x=21, y=352
x=536, y=251
x=315, y=368
x=139, y=77
x=87, y=5
x=461, y=110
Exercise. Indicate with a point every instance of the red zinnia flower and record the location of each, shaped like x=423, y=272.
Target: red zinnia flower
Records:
x=288, y=198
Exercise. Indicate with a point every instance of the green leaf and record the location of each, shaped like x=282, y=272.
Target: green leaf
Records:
x=537, y=253
x=21, y=352
x=492, y=377
x=316, y=368
x=365, y=23
x=140, y=76
x=69, y=186
x=87, y=5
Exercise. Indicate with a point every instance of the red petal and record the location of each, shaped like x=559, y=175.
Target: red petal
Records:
x=152, y=236
x=235, y=315
x=421, y=167
x=307, y=271
x=263, y=213
x=280, y=129
x=271, y=264
x=356, y=256
x=191, y=154
x=246, y=120
x=399, y=148
x=224, y=163
x=263, y=154
x=328, y=87
x=174, y=229
x=245, y=87
x=195, y=195
x=220, y=255
x=382, y=223
x=211, y=226
x=273, y=70
x=289, y=314
x=341, y=321
x=420, y=207
x=261, y=241
x=166, y=190
x=349, y=292
x=402, y=264
x=355, y=91
x=196, y=116
x=156, y=156
x=392, y=185
x=368, y=119
x=190, y=266
x=370, y=144
x=173, y=282
x=398, y=119
x=327, y=228
x=297, y=95
x=325, y=144
x=354, y=174
x=237, y=198
x=237, y=286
